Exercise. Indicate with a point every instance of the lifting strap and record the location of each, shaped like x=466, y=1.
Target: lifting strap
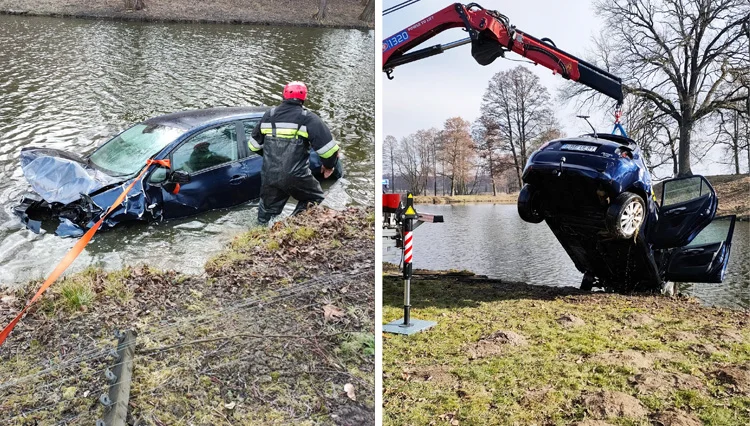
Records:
x=618, y=125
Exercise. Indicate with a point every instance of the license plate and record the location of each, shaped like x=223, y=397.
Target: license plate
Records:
x=576, y=147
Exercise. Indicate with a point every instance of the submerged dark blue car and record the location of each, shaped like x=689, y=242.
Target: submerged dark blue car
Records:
x=210, y=167
x=596, y=195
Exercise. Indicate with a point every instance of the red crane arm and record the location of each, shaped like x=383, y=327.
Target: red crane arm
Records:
x=491, y=35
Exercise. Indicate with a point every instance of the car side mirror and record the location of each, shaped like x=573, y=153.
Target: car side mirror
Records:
x=179, y=176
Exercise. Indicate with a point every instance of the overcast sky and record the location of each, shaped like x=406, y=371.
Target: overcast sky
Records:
x=425, y=93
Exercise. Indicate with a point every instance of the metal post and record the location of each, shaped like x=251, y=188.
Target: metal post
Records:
x=408, y=326
x=116, y=401
x=408, y=241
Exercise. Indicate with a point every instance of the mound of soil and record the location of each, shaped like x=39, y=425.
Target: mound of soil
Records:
x=676, y=418
x=495, y=344
x=658, y=382
x=736, y=379
x=608, y=404
x=569, y=321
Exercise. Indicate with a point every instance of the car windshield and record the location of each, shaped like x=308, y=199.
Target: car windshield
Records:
x=127, y=153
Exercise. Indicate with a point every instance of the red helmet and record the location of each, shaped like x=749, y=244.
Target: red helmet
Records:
x=295, y=90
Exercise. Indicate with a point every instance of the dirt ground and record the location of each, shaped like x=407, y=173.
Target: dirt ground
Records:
x=278, y=330
x=734, y=194
x=340, y=13
x=509, y=353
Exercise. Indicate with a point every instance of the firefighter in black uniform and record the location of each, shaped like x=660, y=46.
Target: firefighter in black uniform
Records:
x=283, y=137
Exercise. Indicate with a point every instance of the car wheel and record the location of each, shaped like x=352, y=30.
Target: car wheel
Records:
x=667, y=288
x=587, y=283
x=528, y=205
x=626, y=215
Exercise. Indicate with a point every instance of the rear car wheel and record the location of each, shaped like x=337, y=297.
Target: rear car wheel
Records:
x=626, y=215
x=528, y=204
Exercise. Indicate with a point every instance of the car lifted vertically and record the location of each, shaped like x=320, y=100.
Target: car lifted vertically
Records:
x=596, y=195
x=594, y=192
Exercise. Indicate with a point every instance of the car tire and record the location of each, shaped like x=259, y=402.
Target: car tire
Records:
x=667, y=288
x=587, y=283
x=626, y=215
x=528, y=205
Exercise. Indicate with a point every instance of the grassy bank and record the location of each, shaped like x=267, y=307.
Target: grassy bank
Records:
x=464, y=199
x=274, y=330
x=340, y=13
x=510, y=353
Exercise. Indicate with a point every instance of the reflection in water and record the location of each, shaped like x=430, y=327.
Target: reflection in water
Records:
x=71, y=84
x=491, y=239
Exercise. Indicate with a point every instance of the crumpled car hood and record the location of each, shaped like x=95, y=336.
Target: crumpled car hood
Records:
x=61, y=177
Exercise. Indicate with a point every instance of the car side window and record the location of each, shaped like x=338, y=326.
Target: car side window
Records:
x=207, y=149
x=249, y=125
x=683, y=190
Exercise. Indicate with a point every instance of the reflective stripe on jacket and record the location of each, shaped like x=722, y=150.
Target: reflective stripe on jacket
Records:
x=292, y=121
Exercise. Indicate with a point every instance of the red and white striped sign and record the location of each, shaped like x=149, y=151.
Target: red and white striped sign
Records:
x=407, y=247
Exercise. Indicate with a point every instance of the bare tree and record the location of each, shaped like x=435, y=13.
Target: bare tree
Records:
x=678, y=55
x=389, y=145
x=518, y=106
x=412, y=159
x=457, y=152
x=368, y=14
x=654, y=132
x=733, y=133
x=486, y=134
x=321, y=13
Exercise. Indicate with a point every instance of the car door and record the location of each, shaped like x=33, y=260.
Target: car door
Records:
x=687, y=206
x=705, y=259
x=211, y=158
x=251, y=162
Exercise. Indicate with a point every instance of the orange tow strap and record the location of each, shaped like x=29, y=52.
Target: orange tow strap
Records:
x=76, y=250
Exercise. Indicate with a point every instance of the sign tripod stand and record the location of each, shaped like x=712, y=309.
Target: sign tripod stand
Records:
x=405, y=219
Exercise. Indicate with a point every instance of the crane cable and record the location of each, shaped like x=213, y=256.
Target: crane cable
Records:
x=399, y=6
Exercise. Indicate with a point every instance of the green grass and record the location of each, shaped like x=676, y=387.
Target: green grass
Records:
x=431, y=374
x=77, y=293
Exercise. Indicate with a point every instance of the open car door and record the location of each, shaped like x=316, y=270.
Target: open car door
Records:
x=705, y=259
x=687, y=206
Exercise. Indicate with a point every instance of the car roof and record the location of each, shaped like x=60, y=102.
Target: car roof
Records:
x=191, y=119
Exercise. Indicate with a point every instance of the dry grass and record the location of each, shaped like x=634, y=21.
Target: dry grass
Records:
x=202, y=359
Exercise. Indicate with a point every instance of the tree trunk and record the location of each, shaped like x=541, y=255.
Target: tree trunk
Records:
x=683, y=153
x=321, y=13
x=393, y=179
x=492, y=176
x=736, y=143
x=368, y=14
x=434, y=170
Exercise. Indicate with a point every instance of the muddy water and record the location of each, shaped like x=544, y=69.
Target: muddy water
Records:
x=492, y=240
x=71, y=84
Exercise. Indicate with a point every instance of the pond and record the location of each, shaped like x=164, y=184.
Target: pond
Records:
x=491, y=239
x=72, y=84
